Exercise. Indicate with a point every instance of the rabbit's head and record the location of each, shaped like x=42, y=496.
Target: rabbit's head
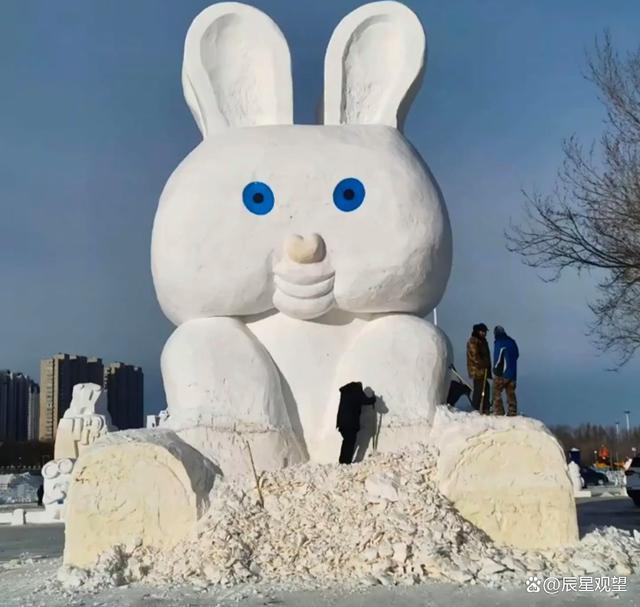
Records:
x=267, y=215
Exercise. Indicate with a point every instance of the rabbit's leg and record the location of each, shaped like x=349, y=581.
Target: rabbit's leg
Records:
x=528, y=478
x=404, y=360
x=223, y=389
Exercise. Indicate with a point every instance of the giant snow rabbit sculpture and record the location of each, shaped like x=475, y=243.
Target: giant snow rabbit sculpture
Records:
x=293, y=259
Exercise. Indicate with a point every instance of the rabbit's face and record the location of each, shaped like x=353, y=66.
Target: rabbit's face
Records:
x=301, y=219
x=234, y=233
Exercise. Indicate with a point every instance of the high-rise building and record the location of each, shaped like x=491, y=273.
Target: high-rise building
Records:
x=125, y=395
x=17, y=391
x=33, y=413
x=58, y=375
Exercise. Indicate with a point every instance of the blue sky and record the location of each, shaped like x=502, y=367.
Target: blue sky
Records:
x=92, y=122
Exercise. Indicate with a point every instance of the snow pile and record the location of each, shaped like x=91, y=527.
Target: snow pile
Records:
x=19, y=488
x=382, y=521
x=616, y=477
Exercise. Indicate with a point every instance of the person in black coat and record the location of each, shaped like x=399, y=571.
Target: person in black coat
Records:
x=352, y=398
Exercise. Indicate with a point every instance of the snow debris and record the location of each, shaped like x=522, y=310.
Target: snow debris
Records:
x=381, y=521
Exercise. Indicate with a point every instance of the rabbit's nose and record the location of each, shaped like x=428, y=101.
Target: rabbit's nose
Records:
x=305, y=249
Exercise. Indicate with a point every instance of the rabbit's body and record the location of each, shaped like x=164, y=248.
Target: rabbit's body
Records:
x=276, y=379
x=316, y=358
x=296, y=258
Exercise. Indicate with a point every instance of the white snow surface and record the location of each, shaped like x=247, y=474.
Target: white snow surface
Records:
x=19, y=488
x=379, y=522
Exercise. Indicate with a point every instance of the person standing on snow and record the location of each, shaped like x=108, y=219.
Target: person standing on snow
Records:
x=505, y=370
x=352, y=399
x=479, y=367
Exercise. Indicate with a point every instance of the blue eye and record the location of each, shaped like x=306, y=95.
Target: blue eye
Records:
x=258, y=197
x=349, y=194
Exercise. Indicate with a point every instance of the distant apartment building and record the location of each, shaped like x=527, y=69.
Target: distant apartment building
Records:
x=33, y=413
x=58, y=375
x=125, y=395
x=17, y=395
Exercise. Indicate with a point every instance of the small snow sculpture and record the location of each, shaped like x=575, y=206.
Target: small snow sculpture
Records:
x=18, y=517
x=86, y=420
x=57, y=477
x=574, y=475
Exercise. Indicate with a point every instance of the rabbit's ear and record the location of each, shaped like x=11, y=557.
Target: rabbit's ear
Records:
x=236, y=69
x=373, y=65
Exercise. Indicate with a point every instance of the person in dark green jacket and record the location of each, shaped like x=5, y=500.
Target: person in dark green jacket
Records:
x=479, y=368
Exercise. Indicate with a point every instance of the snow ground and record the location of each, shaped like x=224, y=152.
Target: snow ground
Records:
x=29, y=559
x=27, y=586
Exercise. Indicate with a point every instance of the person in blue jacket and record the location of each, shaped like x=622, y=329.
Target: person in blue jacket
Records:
x=505, y=371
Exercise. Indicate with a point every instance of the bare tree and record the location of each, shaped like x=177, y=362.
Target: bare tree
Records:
x=591, y=219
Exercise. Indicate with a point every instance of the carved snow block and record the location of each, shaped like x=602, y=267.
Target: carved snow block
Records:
x=509, y=477
x=137, y=485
